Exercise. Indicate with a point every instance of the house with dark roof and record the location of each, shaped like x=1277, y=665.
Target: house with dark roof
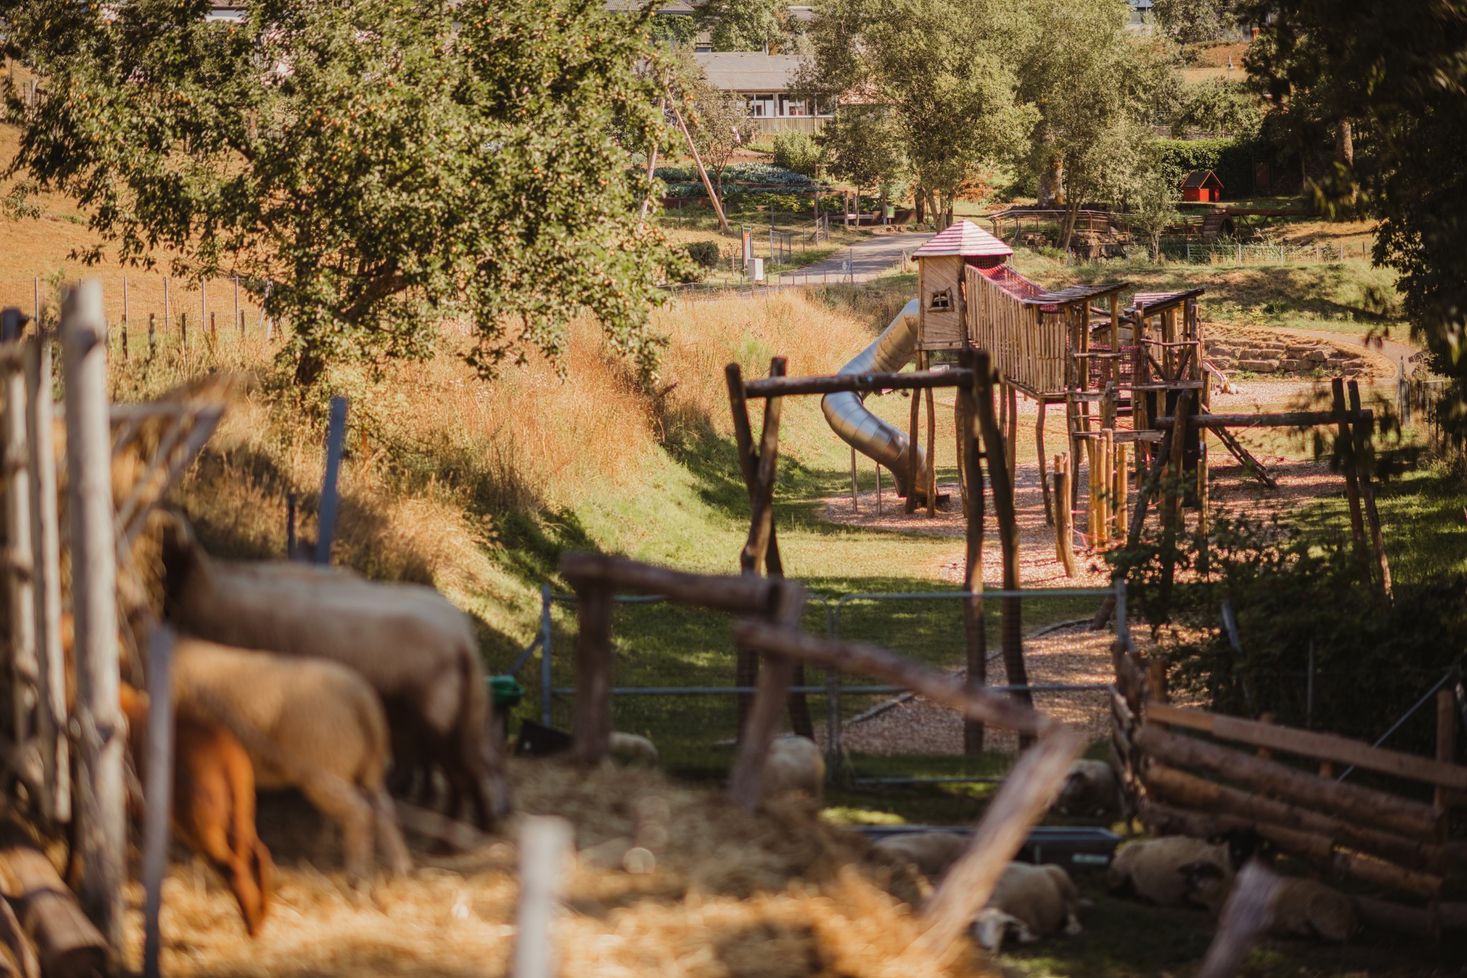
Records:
x=765, y=81
x=1201, y=186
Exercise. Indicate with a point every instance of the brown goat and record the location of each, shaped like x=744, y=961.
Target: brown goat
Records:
x=213, y=809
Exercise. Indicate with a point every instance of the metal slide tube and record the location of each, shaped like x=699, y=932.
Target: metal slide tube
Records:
x=861, y=429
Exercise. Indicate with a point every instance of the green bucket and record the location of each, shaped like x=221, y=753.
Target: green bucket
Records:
x=505, y=691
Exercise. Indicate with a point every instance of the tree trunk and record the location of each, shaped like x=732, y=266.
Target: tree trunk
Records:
x=919, y=202
x=1345, y=155
x=1067, y=230
x=308, y=369
x=1052, y=184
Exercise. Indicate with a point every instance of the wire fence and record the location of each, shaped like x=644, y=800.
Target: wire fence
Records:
x=674, y=676
x=1238, y=253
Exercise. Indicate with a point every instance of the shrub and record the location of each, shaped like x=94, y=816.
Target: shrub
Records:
x=1231, y=159
x=703, y=253
x=798, y=152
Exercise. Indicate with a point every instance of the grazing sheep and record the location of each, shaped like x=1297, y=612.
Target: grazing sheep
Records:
x=931, y=852
x=1174, y=871
x=213, y=810
x=1091, y=788
x=1030, y=902
x=309, y=724
x=632, y=750
x=1308, y=908
x=794, y=765
x=416, y=650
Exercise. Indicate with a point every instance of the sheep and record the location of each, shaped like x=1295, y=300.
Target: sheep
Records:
x=794, y=765
x=310, y=724
x=931, y=852
x=1308, y=908
x=1031, y=902
x=1173, y=871
x=416, y=650
x=632, y=750
x=1091, y=788
x=213, y=810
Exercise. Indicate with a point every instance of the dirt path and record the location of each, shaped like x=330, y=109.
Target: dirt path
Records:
x=859, y=262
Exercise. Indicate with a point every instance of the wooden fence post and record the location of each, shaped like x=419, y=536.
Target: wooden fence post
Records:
x=158, y=791
x=101, y=834
x=1352, y=484
x=335, y=442
x=152, y=335
x=1367, y=491
x=591, y=725
x=776, y=674
x=21, y=572
x=1064, y=515
x=544, y=843
x=975, y=629
x=46, y=561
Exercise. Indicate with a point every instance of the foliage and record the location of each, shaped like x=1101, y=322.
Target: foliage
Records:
x=748, y=25
x=703, y=253
x=1193, y=21
x=1397, y=74
x=718, y=121
x=1219, y=108
x=865, y=147
x=1293, y=596
x=951, y=90
x=1152, y=203
x=1231, y=159
x=797, y=152
x=386, y=168
x=673, y=29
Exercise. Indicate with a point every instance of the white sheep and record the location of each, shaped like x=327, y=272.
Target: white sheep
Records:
x=1091, y=788
x=1030, y=902
x=1174, y=871
x=1308, y=908
x=931, y=852
x=309, y=724
x=794, y=765
x=416, y=650
x=632, y=750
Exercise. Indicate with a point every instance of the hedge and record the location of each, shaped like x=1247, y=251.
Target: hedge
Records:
x=1231, y=159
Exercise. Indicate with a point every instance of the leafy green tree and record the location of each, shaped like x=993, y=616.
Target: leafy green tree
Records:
x=943, y=69
x=1193, y=21
x=1218, y=108
x=1399, y=74
x=864, y=147
x=1151, y=204
x=386, y=167
x=748, y=25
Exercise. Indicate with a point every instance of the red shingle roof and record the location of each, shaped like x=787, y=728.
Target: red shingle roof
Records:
x=966, y=239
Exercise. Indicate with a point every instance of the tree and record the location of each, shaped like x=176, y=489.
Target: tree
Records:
x=1193, y=21
x=863, y=145
x=950, y=88
x=1152, y=201
x=1087, y=80
x=386, y=168
x=1397, y=72
x=748, y=25
x=719, y=122
x=1218, y=108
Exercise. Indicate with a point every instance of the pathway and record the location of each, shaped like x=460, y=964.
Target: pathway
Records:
x=859, y=262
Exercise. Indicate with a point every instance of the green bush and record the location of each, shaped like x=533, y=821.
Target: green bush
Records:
x=1231, y=159
x=798, y=152
x=703, y=253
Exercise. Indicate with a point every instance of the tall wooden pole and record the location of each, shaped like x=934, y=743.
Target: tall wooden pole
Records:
x=159, y=790
x=25, y=667
x=702, y=171
x=101, y=834
x=975, y=631
x=46, y=559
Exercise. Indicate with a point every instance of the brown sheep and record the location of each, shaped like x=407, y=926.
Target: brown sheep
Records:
x=1031, y=902
x=1091, y=788
x=1308, y=908
x=794, y=766
x=310, y=724
x=1174, y=871
x=213, y=811
x=931, y=852
x=416, y=650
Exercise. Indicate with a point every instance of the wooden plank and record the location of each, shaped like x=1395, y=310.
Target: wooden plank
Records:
x=101, y=830
x=25, y=663
x=859, y=383
x=1309, y=743
x=67, y=944
x=1389, y=812
x=1362, y=432
x=546, y=844
x=975, y=631
x=591, y=725
x=1023, y=799
x=737, y=594
x=1275, y=419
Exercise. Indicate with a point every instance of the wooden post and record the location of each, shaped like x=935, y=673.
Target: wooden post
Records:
x=238, y=313
x=1011, y=436
x=241, y=319
x=1446, y=741
x=21, y=572
x=183, y=330
x=101, y=834
x=1352, y=485
x=591, y=725
x=55, y=753
x=1122, y=489
x=167, y=307
x=158, y=791
x=1064, y=525
x=1172, y=508
x=1367, y=491
x=213, y=332
x=1049, y=508
x=931, y=453
x=775, y=677
x=335, y=443
x=975, y=630
x=126, y=318
x=66, y=942
x=1011, y=626
x=152, y=335
x=914, y=449
x=1107, y=484
x=204, y=306
x=545, y=842
x=702, y=171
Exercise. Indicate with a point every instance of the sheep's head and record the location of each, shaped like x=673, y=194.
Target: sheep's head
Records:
x=992, y=927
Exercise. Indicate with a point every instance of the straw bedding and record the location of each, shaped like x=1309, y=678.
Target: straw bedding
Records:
x=669, y=879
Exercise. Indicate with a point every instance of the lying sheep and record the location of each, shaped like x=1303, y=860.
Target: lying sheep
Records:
x=632, y=750
x=931, y=852
x=794, y=765
x=1091, y=788
x=1029, y=902
x=1308, y=908
x=309, y=724
x=213, y=810
x=1174, y=871
x=415, y=649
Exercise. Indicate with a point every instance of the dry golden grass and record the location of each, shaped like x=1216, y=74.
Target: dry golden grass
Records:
x=725, y=894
